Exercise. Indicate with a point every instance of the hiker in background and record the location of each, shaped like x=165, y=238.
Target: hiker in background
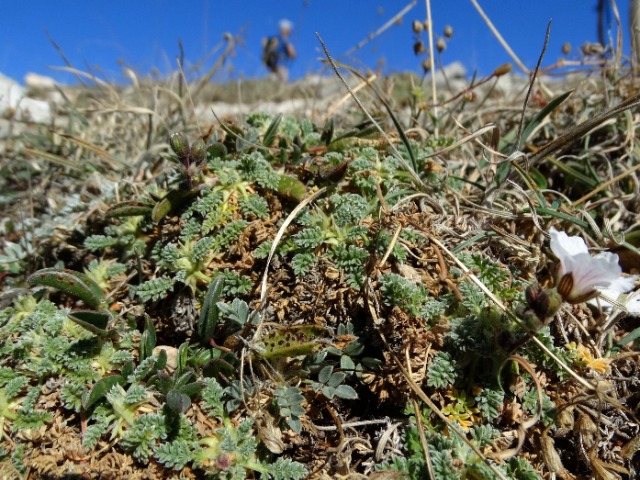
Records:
x=277, y=51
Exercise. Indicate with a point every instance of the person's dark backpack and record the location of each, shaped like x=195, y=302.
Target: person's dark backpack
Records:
x=270, y=53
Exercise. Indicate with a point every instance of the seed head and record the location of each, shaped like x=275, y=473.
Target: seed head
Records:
x=502, y=70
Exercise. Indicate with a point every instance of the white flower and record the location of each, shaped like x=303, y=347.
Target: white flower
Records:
x=631, y=302
x=581, y=276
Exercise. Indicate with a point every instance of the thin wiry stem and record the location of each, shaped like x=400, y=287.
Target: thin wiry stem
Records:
x=502, y=41
x=434, y=92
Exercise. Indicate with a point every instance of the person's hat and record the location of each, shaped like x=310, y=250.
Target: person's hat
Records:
x=285, y=24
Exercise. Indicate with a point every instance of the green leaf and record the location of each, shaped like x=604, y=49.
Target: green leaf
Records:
x=175, y=454
x=346, y=392
x=164, y=382
x=130, y=208
x=100, y=242
x=294, y=341
x=628, y=338
x=541, y=115
x=325, y=374
x=183, y=356
x=95, y=321
x=292, y=188
x=154, y=289
x=210, y=314
x=336, y=379
x=540, y=179
x=184, y=379
x=161, y=362
x=217, y=150
x=100, y=389
x=177, y=401
x=272, y=131
x=148, y=340
x=70, y=282
x=191, y=389
x=327, y=132
x=171, y=202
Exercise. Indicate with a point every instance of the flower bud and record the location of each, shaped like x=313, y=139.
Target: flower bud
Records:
x=502, y=70
x=426, y=65
x=544, y=302
x=441, y=45
x=198, y=151
x=417, y=27
x=537, y=300
x=448, y=31
x=418, y=47
x=179, y=144
x=566, y=48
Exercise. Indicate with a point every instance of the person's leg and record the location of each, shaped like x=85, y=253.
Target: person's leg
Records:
x=283, y=74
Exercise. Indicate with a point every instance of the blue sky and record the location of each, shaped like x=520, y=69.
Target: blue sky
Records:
x=144, y=33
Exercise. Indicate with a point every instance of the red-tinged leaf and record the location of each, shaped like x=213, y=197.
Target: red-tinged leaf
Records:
x=70, y=282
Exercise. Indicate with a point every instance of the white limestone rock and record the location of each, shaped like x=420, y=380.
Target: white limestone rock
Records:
x=16, y=105
x=35, y=81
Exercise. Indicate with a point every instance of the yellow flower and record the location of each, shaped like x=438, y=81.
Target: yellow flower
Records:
x=586, y=358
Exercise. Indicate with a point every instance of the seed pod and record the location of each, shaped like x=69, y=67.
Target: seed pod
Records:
x=588, y=431
x=418, y=47
x=426, y=65
x=592, y=49
x=448, y=31
x=565, y=419
x=179, y=144
x=417, y=27
x=566, y=48
x=550, y=455
x=198, y=151
x=441, y=45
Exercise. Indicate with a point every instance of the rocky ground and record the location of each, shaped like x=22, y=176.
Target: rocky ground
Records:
x=234, y=293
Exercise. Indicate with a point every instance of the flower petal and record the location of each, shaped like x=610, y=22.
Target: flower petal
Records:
x=592, y=272
x=633, y=306
x=617, y=288
x=601, y=272
x=564, y=246
x=622, y=285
